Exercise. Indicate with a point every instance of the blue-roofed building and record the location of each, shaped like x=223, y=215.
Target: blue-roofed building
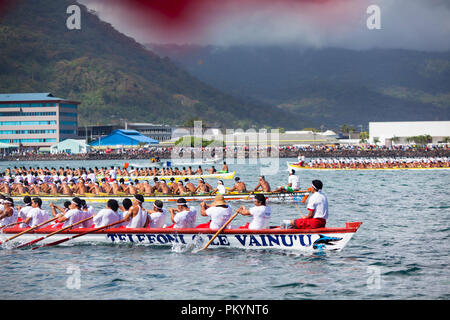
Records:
x=37, y=120
x=124, y=138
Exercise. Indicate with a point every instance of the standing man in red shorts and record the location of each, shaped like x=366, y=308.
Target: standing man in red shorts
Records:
x=318, y=210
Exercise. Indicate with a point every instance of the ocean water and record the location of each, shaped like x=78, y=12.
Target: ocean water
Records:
x=401, y=251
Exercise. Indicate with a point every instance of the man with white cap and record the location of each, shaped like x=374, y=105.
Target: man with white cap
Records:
x=317, y=207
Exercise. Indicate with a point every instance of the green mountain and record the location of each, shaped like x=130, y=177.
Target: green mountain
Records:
x=326, y=87
x=111, y=74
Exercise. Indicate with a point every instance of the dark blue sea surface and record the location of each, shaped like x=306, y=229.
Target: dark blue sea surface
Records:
x=401, y=250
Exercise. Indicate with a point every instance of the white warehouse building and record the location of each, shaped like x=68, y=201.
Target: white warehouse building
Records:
x=400, y=132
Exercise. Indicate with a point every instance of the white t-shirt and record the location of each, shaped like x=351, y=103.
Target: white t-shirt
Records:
x=157, y=219
x=319, y=203
x=86, y=214
x=73, y=216
x=23, y=213
x=113, y=174
x=192, y=219
x=219, y=216
x=293, y=179
x=37, y=216
x=221, y=189
x=106, y=216
x=93, y=177
x=183, y=219
x=261, y=217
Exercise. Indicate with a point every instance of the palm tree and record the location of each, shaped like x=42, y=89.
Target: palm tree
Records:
x=363, y=136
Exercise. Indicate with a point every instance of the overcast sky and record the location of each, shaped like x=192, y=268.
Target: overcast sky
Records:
x=408, y=24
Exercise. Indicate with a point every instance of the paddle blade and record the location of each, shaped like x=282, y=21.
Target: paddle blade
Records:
x=54, y=243
x=29, y=243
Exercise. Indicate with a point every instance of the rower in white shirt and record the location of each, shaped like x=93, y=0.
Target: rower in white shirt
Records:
x=218, y=211
x=293, y=183
x=182, y=216
x=36, y=215
x=107, y=215
x=73, y=215
x=8, y=214
x=157, y=216
x=260, y=213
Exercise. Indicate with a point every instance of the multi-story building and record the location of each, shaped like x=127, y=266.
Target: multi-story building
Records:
x=34, y=120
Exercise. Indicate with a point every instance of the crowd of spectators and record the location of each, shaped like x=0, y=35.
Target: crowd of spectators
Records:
x=309, y=151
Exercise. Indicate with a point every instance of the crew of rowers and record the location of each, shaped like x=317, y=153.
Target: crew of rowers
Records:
x=109, y=174
x=130, y=214
x=69, y=185
x=376, y=163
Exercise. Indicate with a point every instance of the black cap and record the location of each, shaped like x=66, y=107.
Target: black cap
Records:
x=181, y=201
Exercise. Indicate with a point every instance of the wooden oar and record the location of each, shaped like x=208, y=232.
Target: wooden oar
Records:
x=299, y=210
x=10, y=225
x=30, y=229
x=220, y=230
x=50, y=234
x=78, y=235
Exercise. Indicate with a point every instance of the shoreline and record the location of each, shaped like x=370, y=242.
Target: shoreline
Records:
x=166, y=155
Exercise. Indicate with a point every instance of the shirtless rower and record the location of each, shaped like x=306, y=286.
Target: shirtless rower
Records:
x=34, y=189
x=203, y=187
x=224, y=167
x=190, y=187
x=131, y=189
x=53, y=188
x=94, y=188
x=263, y=184
x=115, y=187
x=80, y=187
x=123, y=187
x=105, y=187
x=65, y=189
x=181, y=189
x=164, y=188
x=147, y=188
x=239, y=186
